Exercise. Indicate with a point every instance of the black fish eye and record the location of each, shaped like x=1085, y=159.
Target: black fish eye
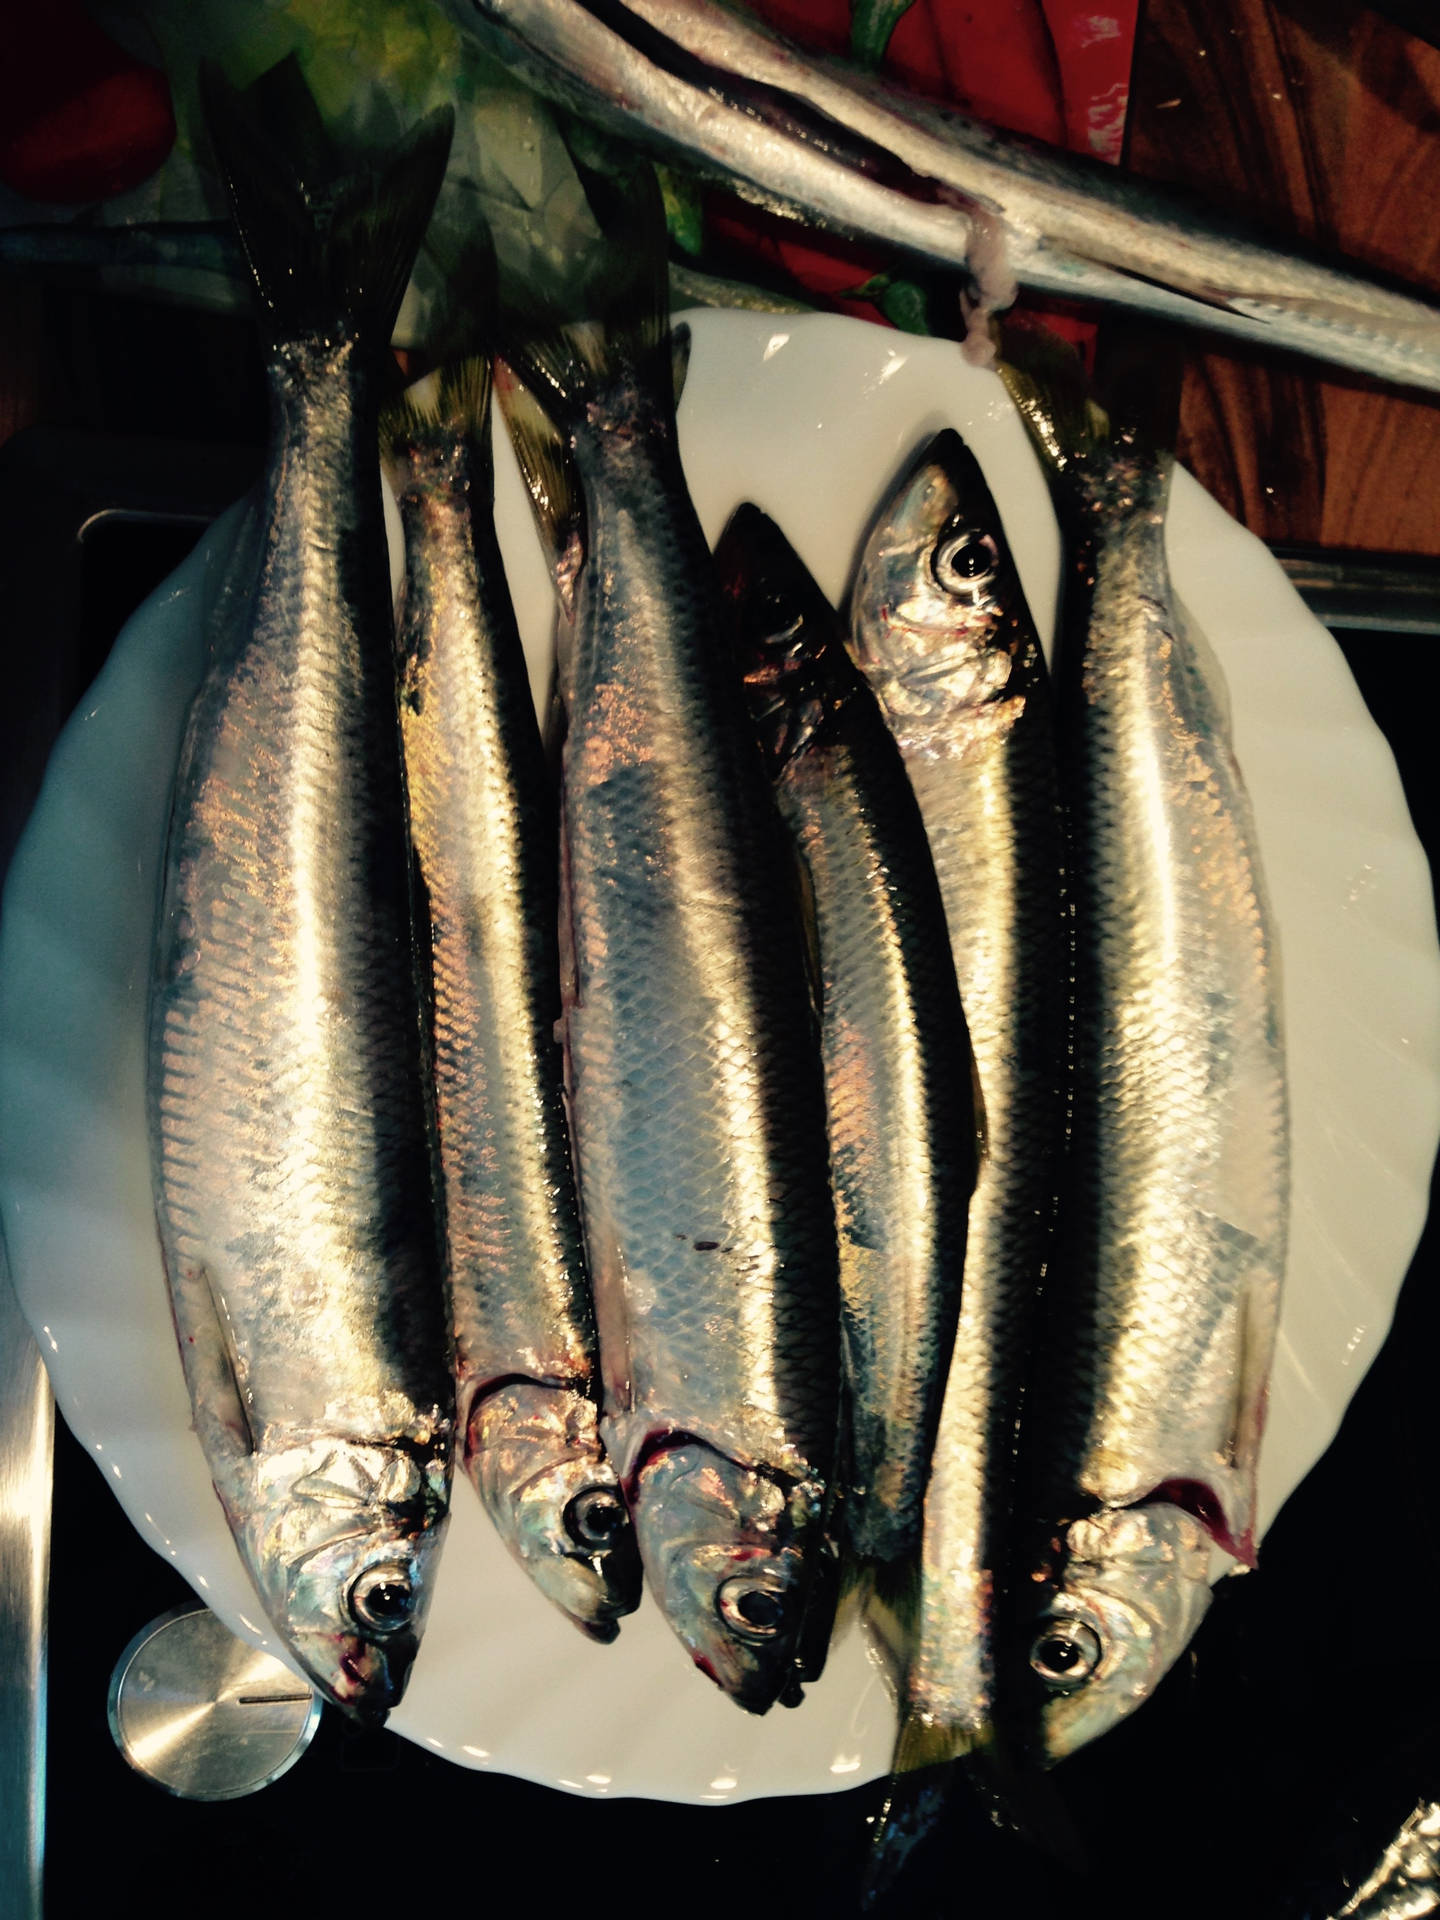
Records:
x=1065, y=1654
x=382, y=1599
x=752, y=1608
x=964, y=559
x=596, y=1518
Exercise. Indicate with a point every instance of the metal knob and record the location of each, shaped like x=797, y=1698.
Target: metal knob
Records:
x=204, y=1715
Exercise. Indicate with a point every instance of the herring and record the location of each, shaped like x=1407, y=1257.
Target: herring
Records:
x=482, y=816
x=898, y=1071
x=941, y=630
x=1150, y=1383
x=291, y=1126
x=703, y=84
x=692, y=1057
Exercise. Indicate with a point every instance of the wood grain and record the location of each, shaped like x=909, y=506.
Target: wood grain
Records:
x=1321, y=120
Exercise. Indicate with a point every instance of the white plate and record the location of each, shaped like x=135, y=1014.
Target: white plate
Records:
x=810, y=418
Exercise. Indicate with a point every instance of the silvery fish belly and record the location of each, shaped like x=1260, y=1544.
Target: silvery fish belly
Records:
x=940, y=627
x=482, y=814
x=290, y=1113
x=1150, y=1390
x=898, y=1072
x=695, y=1085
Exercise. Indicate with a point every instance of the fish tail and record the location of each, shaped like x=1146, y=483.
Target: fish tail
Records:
x=620, y=331
x=1074, y=431
x=547, y=472
x=454, y=400
x=328, y=234
x=1046, y=379
x=618, y=339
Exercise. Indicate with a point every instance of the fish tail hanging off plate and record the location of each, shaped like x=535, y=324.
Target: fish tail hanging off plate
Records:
x=617, y=331
x=615, y=335
x=326, y=232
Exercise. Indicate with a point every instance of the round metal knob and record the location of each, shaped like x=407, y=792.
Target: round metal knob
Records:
x=204, y=1715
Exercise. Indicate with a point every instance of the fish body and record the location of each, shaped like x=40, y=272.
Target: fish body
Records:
x=1150, y=1385
x=717, y=90
x=939, y=625
x=693, y=1066
x=898, y=1071
x=482, y=815
x=291, y=1125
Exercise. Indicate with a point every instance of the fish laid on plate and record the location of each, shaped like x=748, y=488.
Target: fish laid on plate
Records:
x=898, y=1073
x=291, y=1121
x=482, y=813
x=1149, y=1394
x=709, y=86
x=939, y=625
x=693, y=1064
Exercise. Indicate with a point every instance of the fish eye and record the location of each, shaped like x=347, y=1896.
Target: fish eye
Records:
x=383, y=1599
x=596, y=1518
x=754, y=1609
x=1066, y=1654
x=964, y=560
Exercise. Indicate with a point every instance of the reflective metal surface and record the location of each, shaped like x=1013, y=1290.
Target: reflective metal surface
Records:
x=204, y=1715
x=1406, y=1881
x=27, y=1425
x=1399, y=595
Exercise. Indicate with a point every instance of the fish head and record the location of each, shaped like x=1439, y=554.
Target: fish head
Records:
x=535, y=1456
x=1122, y=1597
x=342, y=1547
x=787, y=637
x=728, y=1553
x=938, y=616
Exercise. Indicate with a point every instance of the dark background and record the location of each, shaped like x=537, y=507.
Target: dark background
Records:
x=1264, y=1778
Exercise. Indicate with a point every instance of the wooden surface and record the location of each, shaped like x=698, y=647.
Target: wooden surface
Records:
x=1321, y=118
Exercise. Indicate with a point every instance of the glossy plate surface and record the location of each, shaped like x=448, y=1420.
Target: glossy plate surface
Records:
x=810, y=418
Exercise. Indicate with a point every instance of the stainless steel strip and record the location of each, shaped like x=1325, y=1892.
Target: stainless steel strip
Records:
x=1365, y=592
x=27, y=1430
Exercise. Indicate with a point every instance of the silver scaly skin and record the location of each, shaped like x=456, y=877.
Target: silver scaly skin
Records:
x=1150, y=1384
x=291, y=1124
x=898, y=1072
x=482, y=815
x=710, y=87
x=939, y=625
x=694, y=1077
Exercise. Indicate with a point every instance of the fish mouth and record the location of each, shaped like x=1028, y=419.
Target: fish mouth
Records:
x=364, y=1680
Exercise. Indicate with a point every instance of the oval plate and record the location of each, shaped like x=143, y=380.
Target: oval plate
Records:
x=810, y=418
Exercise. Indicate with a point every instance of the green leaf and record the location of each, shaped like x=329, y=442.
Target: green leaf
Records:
x=871, y=24
x=684, y=212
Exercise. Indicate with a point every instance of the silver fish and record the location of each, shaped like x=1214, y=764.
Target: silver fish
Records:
x=694, y=1072
x=482, y=814
x=292, y=1130
x=939, y=626
x=806, y=135
x=1149, y=1391
x=898, y=1071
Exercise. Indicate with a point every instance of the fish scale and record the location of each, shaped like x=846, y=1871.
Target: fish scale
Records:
x=290, y=1112
x=1149, y=1385
x=692, y=1056
x=1180, y=1115
x=898, y=1070
x=956, y=665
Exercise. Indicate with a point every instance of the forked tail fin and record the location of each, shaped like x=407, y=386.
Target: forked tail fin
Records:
x=329, y=236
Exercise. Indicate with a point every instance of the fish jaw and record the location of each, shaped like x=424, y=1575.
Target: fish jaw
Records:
x=341, y=1540
x=535, y=1456
x=1128, y=1591
x=728, y=1552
